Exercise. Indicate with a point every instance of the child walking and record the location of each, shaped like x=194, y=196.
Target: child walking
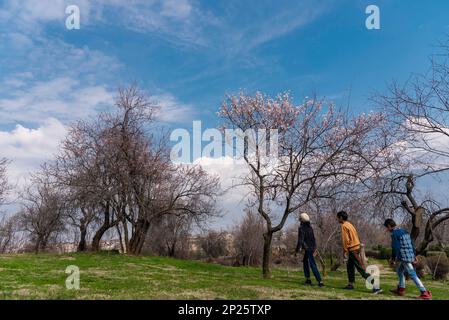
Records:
x=404, y=255
x=306, y=242
x=351, y=248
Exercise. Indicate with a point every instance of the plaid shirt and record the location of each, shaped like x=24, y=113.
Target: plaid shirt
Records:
x=402, y=246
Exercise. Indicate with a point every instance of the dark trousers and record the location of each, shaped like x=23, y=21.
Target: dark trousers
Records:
x=309, y=262
x=355, y=262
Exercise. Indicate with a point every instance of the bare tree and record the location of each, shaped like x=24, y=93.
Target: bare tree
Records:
x=4, y=187
x=42, y=211
x=186, y=190
x=116, y=172
x=419, y=111
x=214, y=244
x=170, y=236
x=147, y=185
x=6, y=225
x=83, y=168
x=248, y=236
x=424, y=214
x=8, y=230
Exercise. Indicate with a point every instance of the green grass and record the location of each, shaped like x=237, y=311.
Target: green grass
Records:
x=103, y=276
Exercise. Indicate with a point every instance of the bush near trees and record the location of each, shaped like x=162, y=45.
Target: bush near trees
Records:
x=248, y=237
x=438, y=266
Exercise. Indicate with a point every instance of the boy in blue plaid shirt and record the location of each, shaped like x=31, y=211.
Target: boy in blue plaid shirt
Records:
x=403, y=252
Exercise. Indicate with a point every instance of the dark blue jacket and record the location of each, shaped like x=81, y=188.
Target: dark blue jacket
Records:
x=306, y=238
x=402, y=246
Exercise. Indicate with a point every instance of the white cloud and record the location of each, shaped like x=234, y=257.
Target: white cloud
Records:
x=231, y=173
x=427, y=148
x=28, y=148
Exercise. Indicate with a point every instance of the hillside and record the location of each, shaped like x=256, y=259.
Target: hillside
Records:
x=104, y=276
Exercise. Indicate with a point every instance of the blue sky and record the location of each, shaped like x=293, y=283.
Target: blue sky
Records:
x=188, y=54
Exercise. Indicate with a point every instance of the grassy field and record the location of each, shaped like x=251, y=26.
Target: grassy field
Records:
x=104, y=276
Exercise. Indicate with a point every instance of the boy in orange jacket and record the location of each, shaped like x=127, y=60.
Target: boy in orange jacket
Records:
x=351, y=248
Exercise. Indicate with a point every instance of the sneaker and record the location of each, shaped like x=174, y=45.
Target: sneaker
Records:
x=398, y=291
x=377, y=291
x=320, y=284
x=308, y=283
x=349, y=287
x=425, y=295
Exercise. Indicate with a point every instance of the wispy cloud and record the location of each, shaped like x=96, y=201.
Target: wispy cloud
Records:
x=251, y=24
x=62, y=98
x=234, y=26
x=172, y=110
x=42, y=75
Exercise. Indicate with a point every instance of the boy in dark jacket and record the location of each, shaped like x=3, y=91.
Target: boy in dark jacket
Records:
x=306, y=242
x=404, y=254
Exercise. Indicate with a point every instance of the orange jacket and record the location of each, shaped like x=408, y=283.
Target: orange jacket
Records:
x=350, y=237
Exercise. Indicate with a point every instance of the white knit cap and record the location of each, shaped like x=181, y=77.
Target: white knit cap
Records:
x=304, y=217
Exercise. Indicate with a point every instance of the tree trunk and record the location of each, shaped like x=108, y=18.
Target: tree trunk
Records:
x=267, y=237
x=44, y=241
x=82, y=244
x=428, y=238
x=172, y=248
x=83, y=234
x=416, y=223
x=100, y=232
x=37, y=245
x=143, y=237
x=97, y=237
x=120, y=238
x=126, y=233
x=138, y=238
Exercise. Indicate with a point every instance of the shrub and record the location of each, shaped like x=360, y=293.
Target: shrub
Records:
x=435, y=247
x=384, y=253
x=214, y=244
x=435, y=253
x=335, y=266
x=373, y=254
x=229, y=261
x=439, y=266
x=248, y=237
x=421, y=266
x=110, y=252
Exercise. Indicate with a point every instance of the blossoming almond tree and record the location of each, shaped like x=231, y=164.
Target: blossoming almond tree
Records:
x=317, y=145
